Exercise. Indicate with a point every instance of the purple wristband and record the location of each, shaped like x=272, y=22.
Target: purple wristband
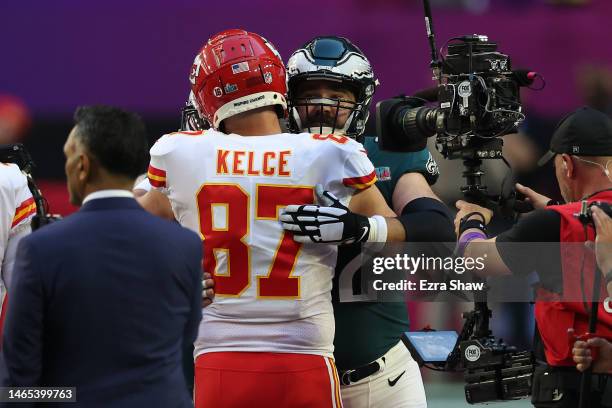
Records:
x=466, y=239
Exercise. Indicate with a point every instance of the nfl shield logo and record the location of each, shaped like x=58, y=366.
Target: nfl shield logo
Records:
x=383, y=173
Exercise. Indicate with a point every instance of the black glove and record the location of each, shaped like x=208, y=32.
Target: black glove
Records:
x=332, y=223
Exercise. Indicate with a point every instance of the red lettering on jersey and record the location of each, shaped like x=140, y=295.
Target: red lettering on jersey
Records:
x=267, y=170
x=335, y=138
x=237, y=163
x=251, y=171
x=221, y=161
x=282, y=162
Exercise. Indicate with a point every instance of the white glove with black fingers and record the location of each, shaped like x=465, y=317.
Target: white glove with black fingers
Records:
x=331, y=222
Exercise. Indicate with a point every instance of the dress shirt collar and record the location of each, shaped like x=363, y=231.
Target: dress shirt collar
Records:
x=108, y=194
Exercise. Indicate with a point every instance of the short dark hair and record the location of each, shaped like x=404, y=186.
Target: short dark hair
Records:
x=116, y=138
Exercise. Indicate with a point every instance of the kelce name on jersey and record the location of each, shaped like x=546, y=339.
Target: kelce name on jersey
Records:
x=249, y=163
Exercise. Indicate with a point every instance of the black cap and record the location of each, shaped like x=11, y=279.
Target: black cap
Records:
x=585, y=132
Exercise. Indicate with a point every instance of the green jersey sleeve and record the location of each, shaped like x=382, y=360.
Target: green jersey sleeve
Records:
x=390, y=166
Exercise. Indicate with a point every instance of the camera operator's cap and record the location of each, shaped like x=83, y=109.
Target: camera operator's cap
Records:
x=585, y=132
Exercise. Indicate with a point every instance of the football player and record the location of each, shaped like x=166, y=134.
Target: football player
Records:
x=267, y=339
x=331, y=84
x=17, y=208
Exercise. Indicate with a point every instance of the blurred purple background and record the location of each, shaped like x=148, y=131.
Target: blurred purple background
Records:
x=136, y=54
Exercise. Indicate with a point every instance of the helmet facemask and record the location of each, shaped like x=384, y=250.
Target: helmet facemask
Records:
x=317, y=114
x=191, y=118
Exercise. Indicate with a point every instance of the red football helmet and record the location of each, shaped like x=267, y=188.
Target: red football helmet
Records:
x=234, y=72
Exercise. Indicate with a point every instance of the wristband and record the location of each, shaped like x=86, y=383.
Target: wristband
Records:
x=469, y=224
x=553, y=202
x=466, y=239
x=378, y=229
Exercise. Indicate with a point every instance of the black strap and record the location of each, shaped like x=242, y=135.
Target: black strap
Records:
x=349, y=377
x=464, y=219
x=538, y=345
x=472, y=224
x=587, y=378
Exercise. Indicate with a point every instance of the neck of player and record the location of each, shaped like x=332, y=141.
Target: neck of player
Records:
x=257, y=122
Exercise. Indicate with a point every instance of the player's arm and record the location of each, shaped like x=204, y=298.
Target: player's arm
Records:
x=10, y=253
x=370, y=202
x=367, y=218
x=411, y=186
x=17, y=209
x=331, y=222
x=141, y=186
x=7, y=211
x=156, y=203
x=152, y=200
x=424, y=216
x=155, y=200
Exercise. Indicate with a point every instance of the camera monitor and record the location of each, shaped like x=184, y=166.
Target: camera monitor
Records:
x=430, y=347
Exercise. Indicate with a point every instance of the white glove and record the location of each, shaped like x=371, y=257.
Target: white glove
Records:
x=333, y=223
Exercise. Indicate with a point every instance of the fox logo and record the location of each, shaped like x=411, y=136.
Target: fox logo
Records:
x=606, y=305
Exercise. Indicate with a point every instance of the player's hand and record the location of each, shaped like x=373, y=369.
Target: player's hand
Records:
x=465, y=208
x=208, y=291
x=582, y=355
x=329, y=223
x=536, y=199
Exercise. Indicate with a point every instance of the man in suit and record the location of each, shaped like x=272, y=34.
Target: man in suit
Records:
x=105, y=300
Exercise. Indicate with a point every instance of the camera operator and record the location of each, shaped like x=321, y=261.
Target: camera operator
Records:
x=16, y=211
x=582, y=151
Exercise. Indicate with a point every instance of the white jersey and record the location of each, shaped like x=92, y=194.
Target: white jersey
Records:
x=16, y=210
x=272, y=293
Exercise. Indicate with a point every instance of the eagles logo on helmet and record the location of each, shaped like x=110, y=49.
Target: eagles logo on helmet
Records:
x=337, y=60
x=248, y=71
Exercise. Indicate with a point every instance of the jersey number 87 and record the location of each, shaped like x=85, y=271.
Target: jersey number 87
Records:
x=268, y=200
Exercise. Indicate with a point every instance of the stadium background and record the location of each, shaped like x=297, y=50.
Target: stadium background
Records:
x=137, y=55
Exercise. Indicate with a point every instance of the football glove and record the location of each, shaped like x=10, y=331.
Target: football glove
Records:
x=331, y=222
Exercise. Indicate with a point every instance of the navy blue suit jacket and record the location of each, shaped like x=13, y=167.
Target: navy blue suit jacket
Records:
x=104, y=301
